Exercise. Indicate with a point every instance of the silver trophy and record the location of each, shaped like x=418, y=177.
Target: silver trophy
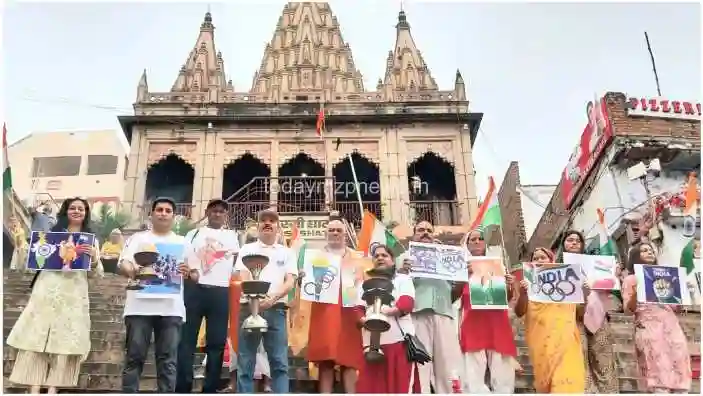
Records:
x=377, y=293
x=255, y=290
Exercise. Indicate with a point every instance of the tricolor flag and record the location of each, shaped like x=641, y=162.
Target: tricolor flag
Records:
x=373, y=232
x=320, y=125
x=606, y=245
x=488, y=213
x=297, y=244
x=691, y=211
x=6, y=171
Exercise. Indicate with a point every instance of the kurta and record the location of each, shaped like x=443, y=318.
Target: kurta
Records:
x=485, y=329
x=334, y=334
x=660, y=345
x=57, y=318
x=554, y=343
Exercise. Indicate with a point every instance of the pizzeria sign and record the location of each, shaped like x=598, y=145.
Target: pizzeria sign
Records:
x=664, y=108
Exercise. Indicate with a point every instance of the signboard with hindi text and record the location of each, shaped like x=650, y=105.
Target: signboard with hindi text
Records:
x=658, y=284
x=554, y=283
x=311, y=226
x=437, y=261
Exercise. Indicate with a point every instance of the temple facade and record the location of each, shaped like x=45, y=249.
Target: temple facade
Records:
x=408, y=142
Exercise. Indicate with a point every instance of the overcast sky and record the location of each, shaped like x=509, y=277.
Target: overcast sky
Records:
x=530, y=68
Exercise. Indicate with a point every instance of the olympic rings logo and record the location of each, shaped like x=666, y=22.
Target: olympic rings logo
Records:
x=324, y=283
x=556, y=291
x=453, y=261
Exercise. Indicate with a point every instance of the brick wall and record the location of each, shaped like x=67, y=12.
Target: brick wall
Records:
x=555, y=217
x=511, y=210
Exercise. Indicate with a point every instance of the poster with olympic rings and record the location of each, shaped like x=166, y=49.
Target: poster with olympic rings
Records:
x=437, y=261
x=554, y=283
x=321, y=281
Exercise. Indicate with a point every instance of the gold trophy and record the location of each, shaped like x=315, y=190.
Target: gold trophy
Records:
x=377, y=293
x=146, y=256
x=255, y=290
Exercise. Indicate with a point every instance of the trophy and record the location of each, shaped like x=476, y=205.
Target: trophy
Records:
x=377, y=293
x=255, y=290
x=146, y=256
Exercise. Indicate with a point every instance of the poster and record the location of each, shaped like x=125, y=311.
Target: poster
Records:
x=352, y=277
x=169, y=281
x=56, y=251
x=657, y=284
x=437, y=261
x=487, y=288
x=694, y=283
x=321, y=279
x=599, y=271
x=554, y=283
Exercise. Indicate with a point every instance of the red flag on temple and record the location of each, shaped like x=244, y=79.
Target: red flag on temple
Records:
x=320, y=126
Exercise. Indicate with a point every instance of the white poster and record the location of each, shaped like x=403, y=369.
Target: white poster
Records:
x=599, y=271
x=437, y=261
x=321, y=280
x=554, y=283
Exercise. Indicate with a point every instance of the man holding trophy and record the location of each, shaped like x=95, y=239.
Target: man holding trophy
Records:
x=268, y=271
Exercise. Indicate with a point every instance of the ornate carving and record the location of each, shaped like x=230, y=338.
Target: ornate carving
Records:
x=186, y=151
x=369, y=150
x=233, y=151
x=287, y=151
x=442, y=149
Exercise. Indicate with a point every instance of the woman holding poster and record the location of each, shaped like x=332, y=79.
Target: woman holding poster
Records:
x=593, y=321
x=662, y=349
x=52, y=334
x=553, y=339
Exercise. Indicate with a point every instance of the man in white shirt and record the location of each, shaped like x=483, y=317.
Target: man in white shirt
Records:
x=281, y=272
x=156, y=309
x=211, y=249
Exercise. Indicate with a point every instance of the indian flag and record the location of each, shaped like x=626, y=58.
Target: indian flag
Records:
x=6, y=171
x=606, y=247
x=691, y=210
x=297, y=244
x=488, y=213
x=373, y=232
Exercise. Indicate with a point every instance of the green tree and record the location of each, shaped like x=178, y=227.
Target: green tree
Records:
x=183, y=225
x=107, y=219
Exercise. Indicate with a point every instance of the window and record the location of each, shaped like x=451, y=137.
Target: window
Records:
x=102, y=164
x=56, y=166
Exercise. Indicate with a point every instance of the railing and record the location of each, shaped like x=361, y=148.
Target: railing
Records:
x=351, y=211
x=436, y=212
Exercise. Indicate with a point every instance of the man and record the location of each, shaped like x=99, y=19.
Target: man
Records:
x=210, y=249
x=42, y=219
x=281, y=272
x=147, y=312
x=334, y=335
x=486, y=338
x=434, y=321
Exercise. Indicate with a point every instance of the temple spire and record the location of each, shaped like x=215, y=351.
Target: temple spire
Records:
x=142, y=88
x=203, y=70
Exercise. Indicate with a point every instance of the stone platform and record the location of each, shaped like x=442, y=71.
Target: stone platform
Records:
x=101, y=371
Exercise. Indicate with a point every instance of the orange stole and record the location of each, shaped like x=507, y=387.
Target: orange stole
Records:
x=337, y=336
x=235, y=293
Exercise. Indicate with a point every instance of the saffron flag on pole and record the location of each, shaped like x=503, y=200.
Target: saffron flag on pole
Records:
x=488, y=213
x=690, y=211
x=6, y=171
x=320, y=125
x=373, y=232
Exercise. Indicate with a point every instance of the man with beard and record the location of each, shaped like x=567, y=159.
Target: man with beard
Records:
x=334, y=335
x=434, y=320
x=210, y=248
x=281, y=272
x=486, y=338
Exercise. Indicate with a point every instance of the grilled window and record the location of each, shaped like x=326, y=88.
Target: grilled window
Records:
x=56, y=166
x=102, y=164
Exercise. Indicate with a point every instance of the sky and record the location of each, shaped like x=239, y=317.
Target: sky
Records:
x=530, y=68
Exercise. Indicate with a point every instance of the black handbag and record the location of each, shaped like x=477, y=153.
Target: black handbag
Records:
x=415, y=351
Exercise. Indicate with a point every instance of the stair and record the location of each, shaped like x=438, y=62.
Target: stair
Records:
x=101, y=373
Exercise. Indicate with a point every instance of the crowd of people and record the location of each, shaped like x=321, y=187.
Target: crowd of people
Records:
x=571, y=346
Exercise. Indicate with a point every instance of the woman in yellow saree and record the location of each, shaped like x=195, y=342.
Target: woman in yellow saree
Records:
x=553, y=339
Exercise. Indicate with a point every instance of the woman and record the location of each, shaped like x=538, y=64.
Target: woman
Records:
x=553, y=339
x=52, y=334
x=395, y=373
x=19, y=237
x=660, y=343
x=111, y=251
x=595, y=329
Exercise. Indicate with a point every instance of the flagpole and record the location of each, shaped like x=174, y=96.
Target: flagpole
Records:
x=356, y=184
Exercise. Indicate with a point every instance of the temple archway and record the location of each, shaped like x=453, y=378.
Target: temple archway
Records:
x=171, y=177
x=245, y=186
x=301, y=185
x=432, y=187
x=346, y=200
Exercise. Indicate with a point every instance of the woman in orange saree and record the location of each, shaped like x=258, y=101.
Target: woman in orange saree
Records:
x=553, y=339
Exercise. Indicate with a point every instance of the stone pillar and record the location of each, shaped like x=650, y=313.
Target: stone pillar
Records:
x=329, y=188
x=203, y=182
x=137, y=170
x=385, y=175
x=273, y=180
x=399, y=178
x=467, y=182
x=460, y=180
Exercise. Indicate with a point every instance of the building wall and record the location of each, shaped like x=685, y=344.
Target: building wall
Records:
x=512, y=217
x=534, y=199
x=392, y=149
x=78, y=143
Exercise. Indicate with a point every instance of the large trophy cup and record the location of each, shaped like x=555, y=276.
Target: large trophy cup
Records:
x=146, y=256
x=377, y=293
x=255, y=290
